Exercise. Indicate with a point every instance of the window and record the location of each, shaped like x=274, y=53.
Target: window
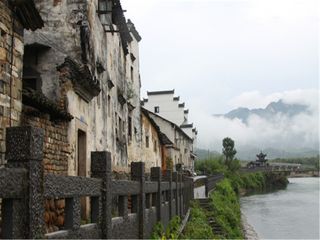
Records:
x=157, y=109
x=147, y=141
x=155, y=146
x=131, y=72
x=130, y=128
x=104, y=8
x=109, y=106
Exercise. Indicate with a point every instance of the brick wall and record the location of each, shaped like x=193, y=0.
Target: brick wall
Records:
x=56, y=147
x=10, y=73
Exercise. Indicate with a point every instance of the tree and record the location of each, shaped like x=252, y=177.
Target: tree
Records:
x=229, y=151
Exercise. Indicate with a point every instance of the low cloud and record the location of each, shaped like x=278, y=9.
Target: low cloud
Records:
x=281, y=132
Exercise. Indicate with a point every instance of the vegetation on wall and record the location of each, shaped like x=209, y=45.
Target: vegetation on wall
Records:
x=197, y=226
x=171, y=232
x=224, y=201
x=226, y=210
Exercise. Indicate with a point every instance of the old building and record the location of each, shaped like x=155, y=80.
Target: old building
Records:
x=168, y=106
x=181, y=150
x=155, y=149
x=86, y=59
x=15, y=16
x=172, y=118
x=72, y=69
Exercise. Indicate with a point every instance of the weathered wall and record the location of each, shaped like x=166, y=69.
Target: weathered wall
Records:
x=150, y=152
x=134, y=85
x=74, y=29
x=10, y=73
x=183, y=145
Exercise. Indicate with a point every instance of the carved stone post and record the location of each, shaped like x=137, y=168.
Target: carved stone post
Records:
x=176, y=193
x=156, y=177
x=137, y=174
x=25, y=150
x=101, y=168
x=168, y=177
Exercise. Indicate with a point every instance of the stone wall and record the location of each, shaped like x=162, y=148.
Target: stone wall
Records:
x=11, y=56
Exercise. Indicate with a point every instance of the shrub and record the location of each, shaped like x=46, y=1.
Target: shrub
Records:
x=171, y=231
x=227, y=209
x=197, y=227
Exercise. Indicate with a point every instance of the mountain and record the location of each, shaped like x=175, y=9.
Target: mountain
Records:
x=205, y=154
x=249, y=153
x=269, y=112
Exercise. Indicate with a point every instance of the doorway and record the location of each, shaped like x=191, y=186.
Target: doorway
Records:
x=82, y=168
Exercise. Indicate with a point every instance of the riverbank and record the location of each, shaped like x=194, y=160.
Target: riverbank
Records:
x=257, y=183
x=304, y=174
x=221, y=217
x=248, y=231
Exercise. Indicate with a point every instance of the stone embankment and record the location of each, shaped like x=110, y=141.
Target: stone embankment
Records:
x=248, y=230
x=304, y=174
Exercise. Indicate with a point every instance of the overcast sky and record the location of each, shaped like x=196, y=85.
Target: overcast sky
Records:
x=222, y=54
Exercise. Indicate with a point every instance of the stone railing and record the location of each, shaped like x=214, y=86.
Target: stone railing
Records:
x=24, y=188
x=211, y=181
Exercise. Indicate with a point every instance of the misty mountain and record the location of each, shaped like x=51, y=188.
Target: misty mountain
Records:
x=269, y=112
x=205, y=154
x=249, y=153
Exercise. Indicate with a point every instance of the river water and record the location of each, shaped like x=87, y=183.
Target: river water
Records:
x=287, y=214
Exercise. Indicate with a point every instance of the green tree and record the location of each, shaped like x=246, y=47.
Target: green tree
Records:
x=229, y=151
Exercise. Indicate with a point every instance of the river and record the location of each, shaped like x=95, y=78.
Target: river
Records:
x=286, y=214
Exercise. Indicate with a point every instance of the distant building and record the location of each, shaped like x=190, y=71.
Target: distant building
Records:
x=168, y=106
x=181, y=150
x=155, y=149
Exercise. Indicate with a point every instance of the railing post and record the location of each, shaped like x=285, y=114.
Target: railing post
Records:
x=101, y=168
x=189, y=193
x=180, y=194
x=176, y=193
x=168, y=177
x=156, y=177
x=123, y=206
x=206, y=186
x=137, y=174
x=72, y=213
x=25, y=150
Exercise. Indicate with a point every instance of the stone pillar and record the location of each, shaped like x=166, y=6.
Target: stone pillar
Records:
x=168, y=177
x=72, y=213
x=137, y=174
x=206, y=186
x=176, y=193
x=25, y=150
x=123, y=206
x=156, y=177
x=101, y=168
x=181, y=194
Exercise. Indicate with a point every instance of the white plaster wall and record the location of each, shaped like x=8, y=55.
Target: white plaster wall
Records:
x=169, y=108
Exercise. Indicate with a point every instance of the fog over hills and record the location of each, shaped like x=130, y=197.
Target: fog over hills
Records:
x=274, y=108
x=286, y=126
